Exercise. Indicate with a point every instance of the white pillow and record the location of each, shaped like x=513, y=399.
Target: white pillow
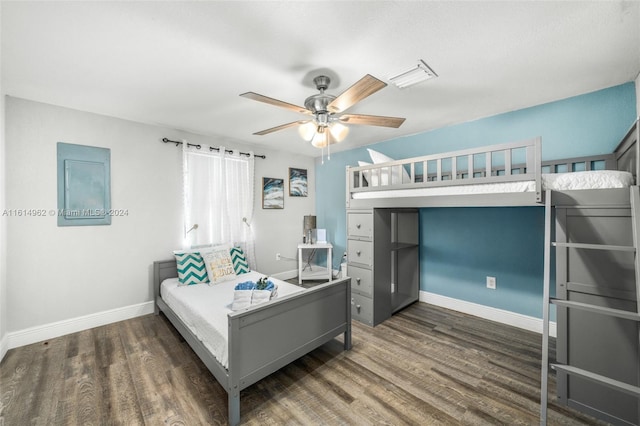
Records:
x=219, y=265
x=378, y=158
x=367, y=174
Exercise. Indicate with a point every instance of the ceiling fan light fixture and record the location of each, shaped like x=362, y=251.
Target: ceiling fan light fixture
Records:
x=307, y=130
x=414, y=75
x=338, y=131
x=320, y=140
x=325, y=128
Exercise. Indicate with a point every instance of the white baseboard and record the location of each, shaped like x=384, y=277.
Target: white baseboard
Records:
x=73, y=325
x=4, y=346
x=487, y=312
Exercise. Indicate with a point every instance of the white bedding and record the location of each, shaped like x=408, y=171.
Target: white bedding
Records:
x=204, y=308
x=595, y=179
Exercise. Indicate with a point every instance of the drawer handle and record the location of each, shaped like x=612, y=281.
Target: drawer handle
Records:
x=354, y=304
x=358, y=252
x=358, y=281
x=358, y=226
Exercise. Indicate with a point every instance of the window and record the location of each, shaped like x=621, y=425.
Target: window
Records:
x=218, y=198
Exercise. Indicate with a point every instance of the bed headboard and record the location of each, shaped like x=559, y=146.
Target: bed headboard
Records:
x=627, y=153
x=163, y=269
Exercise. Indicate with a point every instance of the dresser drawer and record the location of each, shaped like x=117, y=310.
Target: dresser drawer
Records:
x=360, y=225
x=362, y=308
x=361, y=281
x=359, y=252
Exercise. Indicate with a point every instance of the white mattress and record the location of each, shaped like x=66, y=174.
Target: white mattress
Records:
x=595, y=179
x=204, y=308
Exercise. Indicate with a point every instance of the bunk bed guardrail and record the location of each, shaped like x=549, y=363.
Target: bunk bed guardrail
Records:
x=493, y=164
x=489, y=164
x=452, y=168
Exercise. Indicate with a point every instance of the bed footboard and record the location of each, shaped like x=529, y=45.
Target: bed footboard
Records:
x=265, y=339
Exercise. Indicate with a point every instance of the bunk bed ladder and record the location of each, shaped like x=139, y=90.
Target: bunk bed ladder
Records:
x=618, y=313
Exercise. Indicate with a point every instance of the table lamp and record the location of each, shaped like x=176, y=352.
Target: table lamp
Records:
x=308, y=224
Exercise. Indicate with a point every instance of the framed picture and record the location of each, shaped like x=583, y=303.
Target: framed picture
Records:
x=84, y=185
x=297, y=182
x=272, y=193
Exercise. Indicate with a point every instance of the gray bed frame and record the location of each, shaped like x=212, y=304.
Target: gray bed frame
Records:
x=265, y=338
x=452, y=170
x=599, y=217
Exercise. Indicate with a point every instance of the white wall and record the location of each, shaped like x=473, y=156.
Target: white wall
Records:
x=638, y=94
x=61, y=279
x=3, y=238
x=3, y=226
x=280, y=231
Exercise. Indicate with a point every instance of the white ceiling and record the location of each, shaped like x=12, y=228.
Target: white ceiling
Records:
x=183, y=64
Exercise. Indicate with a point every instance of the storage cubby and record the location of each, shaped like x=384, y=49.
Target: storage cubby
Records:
x=404, y=279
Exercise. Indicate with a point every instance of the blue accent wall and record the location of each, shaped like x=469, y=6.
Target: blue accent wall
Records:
x=461, y=246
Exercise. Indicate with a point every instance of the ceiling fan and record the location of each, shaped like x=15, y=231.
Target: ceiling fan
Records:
x=326, y=124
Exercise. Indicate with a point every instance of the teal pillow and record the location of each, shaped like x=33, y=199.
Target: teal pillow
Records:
x=191, y=269
x=240, y=264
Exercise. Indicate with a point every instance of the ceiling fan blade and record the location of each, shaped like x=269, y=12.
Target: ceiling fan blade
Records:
x=372, y=120
x=275, y=102
x=364, y=87
x=281, y=127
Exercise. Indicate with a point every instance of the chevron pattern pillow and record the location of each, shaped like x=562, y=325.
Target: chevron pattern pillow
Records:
x=240, y=264
x=191, y=269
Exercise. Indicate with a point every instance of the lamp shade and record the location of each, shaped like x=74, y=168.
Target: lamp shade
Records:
x=338, y=131
x=307, y=131
x=309, y=223
x=320, y=140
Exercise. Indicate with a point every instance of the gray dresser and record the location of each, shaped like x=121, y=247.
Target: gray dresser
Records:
x=383, y=262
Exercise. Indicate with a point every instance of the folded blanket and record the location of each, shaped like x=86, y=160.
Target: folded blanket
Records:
x=248, y=293
x=260, y=296
x=241, y=299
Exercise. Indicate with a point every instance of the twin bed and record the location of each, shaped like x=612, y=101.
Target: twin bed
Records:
x=240, y=348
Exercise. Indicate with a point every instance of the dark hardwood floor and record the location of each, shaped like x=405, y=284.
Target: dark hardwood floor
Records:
x=424, y=366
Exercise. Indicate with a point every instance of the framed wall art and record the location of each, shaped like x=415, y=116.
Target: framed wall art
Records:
x=84, y=185
x=272, y=193
x=298, y=182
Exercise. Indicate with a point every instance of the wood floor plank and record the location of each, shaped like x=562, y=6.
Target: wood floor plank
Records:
x=81, y=392
x=425, y=365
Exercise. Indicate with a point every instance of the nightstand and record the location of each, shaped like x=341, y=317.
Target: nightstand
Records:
x=305, y=271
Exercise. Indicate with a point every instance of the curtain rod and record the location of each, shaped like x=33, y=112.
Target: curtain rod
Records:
x=211, y=148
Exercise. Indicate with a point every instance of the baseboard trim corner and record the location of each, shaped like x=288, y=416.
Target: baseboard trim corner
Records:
x=4, y=346
x=487, y=312
x=73, y=325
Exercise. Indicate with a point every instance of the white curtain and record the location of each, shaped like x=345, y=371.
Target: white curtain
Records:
x=218, y=198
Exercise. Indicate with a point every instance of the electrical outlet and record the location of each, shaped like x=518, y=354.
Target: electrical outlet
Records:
x=277, y=256
x=491, y=283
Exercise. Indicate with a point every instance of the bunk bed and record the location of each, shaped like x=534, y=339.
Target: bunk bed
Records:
x=444, y=180
x=590, y=206
x=263, y=338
